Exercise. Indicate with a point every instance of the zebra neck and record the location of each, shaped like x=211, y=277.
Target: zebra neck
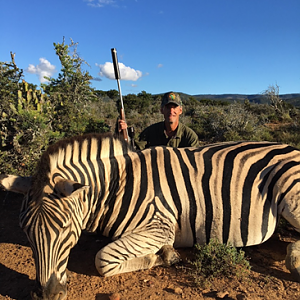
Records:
x=101, y=205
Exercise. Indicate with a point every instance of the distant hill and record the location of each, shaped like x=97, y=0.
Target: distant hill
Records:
x=293, y=99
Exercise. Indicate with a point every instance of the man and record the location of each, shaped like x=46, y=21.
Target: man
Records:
x=170, y=132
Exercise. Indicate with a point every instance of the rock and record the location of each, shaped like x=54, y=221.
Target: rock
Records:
x=115, y=296
x=178, y=291
x=222, y=295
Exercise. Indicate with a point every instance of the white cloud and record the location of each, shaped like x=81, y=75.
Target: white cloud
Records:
x=126, y=73
x=159, y=65
x=99, y=3
x=44, y=68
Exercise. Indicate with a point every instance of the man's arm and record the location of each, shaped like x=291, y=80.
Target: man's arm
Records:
x=139, y=144
x=194, y=141
x=189, y=137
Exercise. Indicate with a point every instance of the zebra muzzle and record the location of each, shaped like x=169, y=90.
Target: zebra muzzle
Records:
x=54, y=290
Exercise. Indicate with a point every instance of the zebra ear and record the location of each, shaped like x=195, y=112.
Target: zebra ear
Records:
x=17, y=184
x=69, y=187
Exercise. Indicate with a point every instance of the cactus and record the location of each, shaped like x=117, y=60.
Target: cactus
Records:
x=31, y=99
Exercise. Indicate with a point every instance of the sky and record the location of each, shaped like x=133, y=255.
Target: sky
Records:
x=191, y=46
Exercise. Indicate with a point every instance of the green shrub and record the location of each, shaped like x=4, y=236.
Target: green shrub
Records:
x=216, y=260
x=227, y=123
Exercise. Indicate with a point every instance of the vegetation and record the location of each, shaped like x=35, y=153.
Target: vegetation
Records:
x=216, y=260
x=32, y=117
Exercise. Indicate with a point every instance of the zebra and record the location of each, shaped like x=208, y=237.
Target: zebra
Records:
x=153, y=201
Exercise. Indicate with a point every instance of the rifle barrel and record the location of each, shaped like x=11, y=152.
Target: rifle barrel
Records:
x=118, y=77
x=117, y=73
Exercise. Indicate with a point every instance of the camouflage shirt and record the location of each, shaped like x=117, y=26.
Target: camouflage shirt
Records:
x=155, y=135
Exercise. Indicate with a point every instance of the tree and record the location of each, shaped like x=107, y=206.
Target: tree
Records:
x=131, y=102
x=10, y=80
x=272, y=95
x=71, y=93
x=26, y=120
x=145, y=100
x=140, y=102
x=112, y=94
x=10, y=77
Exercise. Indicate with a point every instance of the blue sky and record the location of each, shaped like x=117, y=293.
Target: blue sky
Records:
x=191, y=46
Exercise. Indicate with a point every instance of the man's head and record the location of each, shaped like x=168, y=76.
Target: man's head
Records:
x=171, y=108
x=171, y=97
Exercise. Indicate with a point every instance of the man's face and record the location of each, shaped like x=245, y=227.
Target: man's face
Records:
x=171, y=112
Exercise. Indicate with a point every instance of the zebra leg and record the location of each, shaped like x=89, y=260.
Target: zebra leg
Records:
x=131, y=253
x=169, y=255
x=292, y=259
x=290, y=210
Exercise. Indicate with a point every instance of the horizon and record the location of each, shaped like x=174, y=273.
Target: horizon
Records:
x=199, y=47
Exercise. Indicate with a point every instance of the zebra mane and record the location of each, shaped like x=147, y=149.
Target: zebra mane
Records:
x=41, y=176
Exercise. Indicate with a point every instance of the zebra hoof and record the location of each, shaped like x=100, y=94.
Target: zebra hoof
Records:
x=169, y=255
x=292, y=259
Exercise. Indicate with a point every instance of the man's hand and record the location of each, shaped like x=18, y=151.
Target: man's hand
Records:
x=122, y=125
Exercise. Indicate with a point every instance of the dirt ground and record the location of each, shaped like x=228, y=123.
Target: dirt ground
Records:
x=269, y=278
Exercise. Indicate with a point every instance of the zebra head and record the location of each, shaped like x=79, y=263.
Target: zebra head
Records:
x=52, y=223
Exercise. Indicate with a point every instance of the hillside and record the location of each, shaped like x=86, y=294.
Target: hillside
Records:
x=293, y=99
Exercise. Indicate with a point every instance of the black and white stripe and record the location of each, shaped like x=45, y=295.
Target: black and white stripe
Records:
x=159, y=197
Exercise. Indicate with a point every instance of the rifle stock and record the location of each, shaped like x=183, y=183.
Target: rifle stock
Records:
x=117, y=76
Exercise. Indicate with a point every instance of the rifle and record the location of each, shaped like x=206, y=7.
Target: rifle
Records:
x=117, y=76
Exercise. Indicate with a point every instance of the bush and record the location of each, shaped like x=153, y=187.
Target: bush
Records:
x=227, y=123
x=216, y=260
x=32, y=119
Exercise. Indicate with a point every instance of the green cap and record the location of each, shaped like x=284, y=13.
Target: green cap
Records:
x=171, y=97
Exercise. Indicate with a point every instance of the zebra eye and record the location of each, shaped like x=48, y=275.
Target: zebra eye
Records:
x=67, y=223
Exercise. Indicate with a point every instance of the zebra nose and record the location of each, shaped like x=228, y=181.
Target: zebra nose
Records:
x=61, y=295
x=53, y=290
